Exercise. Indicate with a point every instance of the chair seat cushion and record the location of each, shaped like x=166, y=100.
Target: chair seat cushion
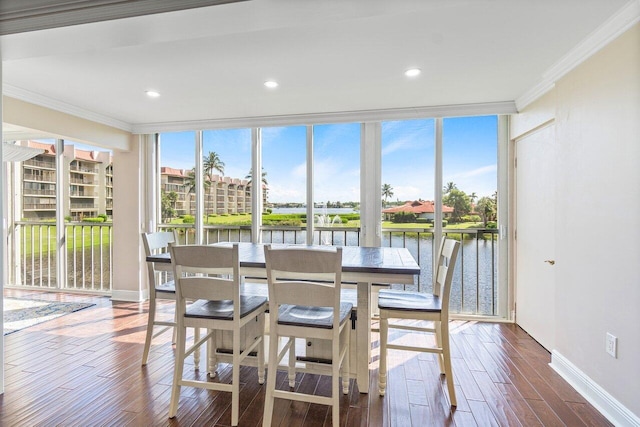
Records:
x=223, y=309
x=167, y=287
x=309, y=316
x=408, y=301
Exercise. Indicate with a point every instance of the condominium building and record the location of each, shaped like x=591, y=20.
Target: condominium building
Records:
x=223, y=194
x=87, y=176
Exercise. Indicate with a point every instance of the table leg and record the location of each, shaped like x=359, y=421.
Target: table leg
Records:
x=363, y=343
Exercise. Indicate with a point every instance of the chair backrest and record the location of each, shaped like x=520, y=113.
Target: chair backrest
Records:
x=444, y=270
x=206, y=272
x=304, y=276
x=156, y=243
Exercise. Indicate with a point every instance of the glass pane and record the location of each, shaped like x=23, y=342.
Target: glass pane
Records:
x=177, y=177
x=87, y=210
x=284, y=176
x=34, y=244
x=227, y=193
x=408, y=191
x=336, y=169
x=470, y=153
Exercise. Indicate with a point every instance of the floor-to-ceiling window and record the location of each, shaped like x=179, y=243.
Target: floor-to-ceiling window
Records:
x=284, y=178
x=408, y=191
x=336, y=182
x=409, y=172
x=67, y=183
x=470, y=177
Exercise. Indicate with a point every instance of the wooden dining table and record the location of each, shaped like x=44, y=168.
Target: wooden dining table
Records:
x=362, y=266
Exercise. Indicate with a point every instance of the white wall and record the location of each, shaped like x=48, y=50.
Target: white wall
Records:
x=597, y=114
x=129, y=220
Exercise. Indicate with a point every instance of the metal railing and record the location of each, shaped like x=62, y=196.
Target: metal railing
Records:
x=33, y=256
x=474, y=289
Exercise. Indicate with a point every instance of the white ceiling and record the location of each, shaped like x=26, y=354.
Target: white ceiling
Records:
x=329, y=56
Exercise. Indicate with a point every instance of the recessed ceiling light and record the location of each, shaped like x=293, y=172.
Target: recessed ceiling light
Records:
x=412, y=72
x=271, y=84
x=152, y=94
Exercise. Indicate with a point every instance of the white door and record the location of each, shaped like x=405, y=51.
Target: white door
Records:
x=535, y=235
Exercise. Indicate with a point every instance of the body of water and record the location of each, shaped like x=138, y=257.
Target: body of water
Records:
x=317, y=211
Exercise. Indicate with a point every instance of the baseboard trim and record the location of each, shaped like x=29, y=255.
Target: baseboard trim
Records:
x=613, y=410
x=129, y=296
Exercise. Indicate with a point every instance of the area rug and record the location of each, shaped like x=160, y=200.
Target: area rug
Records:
x=22, y=313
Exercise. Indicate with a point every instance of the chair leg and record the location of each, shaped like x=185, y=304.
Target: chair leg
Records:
x=177, y=372
x=235, y=380
x=446, y=355
x=260, y=349
x=382, y=370
x=149, y=336
x=438, y=335
x=174, y=339
x=196, y=352
x=212, y=363
x=335, y=386
x=292, y=362
x=346, y=367
x=271, y=381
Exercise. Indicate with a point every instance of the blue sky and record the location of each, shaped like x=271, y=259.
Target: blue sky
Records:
x=469, y=147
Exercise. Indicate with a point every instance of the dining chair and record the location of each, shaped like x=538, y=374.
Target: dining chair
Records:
x=155, y=243
x=210, y=276
x=395, y=304
x=304, y=302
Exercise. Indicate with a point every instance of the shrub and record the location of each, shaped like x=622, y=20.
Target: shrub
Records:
x=492, y=224
x=404, y=217
x=444, y=222
x=471, y=218
x=67, y=218
x=97, y=219
x=188, y=219
x=103, y=216
x=423, y=221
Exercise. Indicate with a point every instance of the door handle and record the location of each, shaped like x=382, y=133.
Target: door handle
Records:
x=550, y=261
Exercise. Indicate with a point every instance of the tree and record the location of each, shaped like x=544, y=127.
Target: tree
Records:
x=449, y=187
x=473, y=196
x=168, y=204
x=212, y=162
x=387, y=192
x=249, y=177
x=487, y=209
x=459, y=201
x=191, y=182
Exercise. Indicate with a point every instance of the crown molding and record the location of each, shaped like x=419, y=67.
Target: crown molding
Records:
x=613, y=27
x=506, y=107
x=63, y=107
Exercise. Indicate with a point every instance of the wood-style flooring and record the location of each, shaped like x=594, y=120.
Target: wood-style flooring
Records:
x=83, y=369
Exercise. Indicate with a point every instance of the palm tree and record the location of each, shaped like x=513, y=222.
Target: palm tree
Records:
x=249, y=177
x=449, y=187
x=191, y=183
x=212, y=162
x=387, y=192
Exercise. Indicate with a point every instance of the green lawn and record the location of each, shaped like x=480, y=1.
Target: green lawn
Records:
x=44, y=236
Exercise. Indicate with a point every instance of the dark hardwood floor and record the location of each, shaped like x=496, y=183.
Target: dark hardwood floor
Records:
x=83, y=369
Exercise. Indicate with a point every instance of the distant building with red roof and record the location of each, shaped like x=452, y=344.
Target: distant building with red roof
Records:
x=421, y=209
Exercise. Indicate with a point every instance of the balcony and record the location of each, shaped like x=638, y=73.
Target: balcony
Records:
x=40, y=164
x=39, y=178
x=32, y=253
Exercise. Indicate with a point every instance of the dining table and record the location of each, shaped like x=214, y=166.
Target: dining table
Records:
x=362, y=266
